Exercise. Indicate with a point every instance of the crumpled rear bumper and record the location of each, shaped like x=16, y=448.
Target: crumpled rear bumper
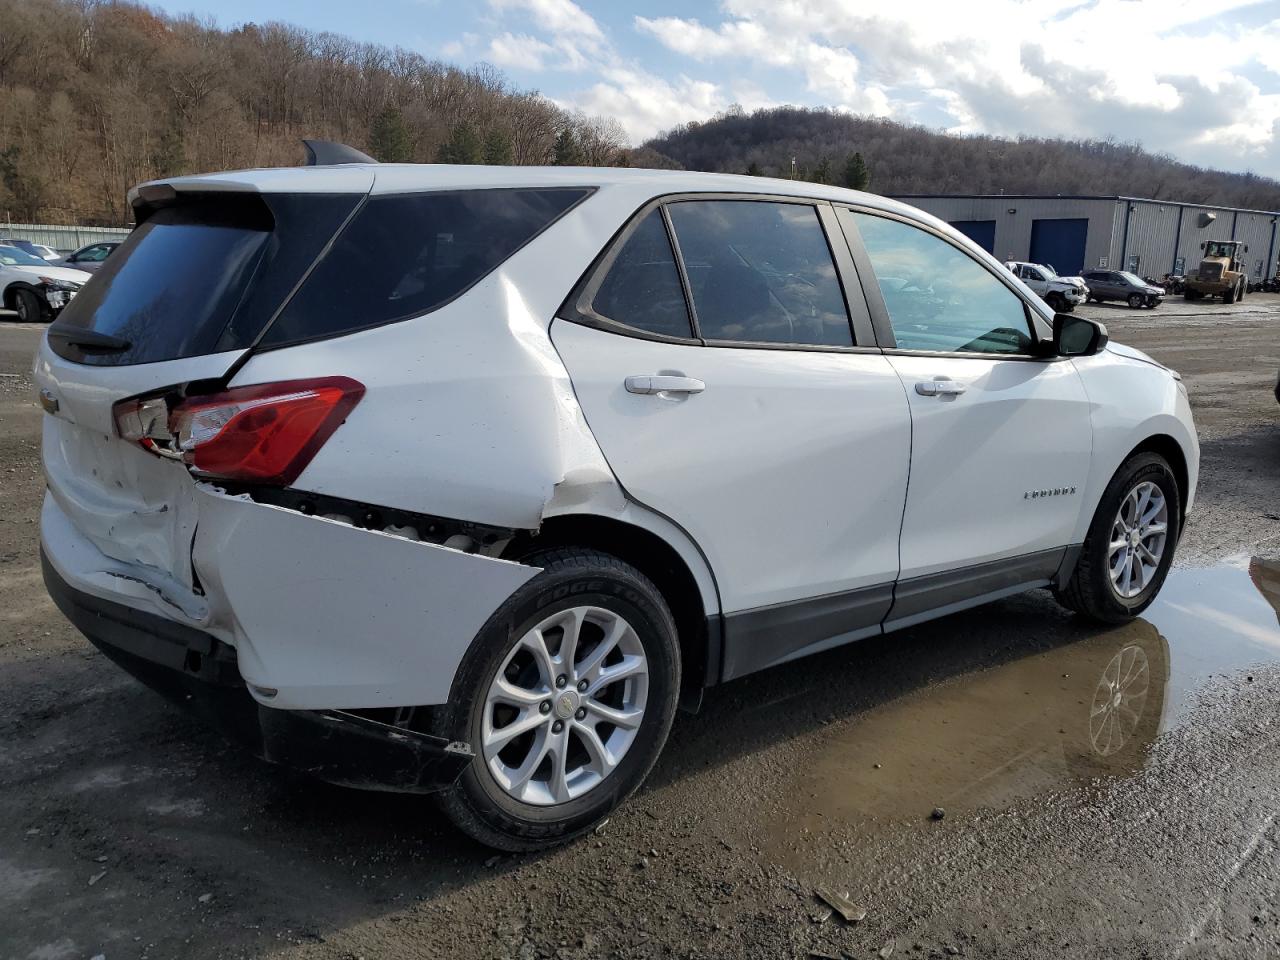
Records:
x=199, y=672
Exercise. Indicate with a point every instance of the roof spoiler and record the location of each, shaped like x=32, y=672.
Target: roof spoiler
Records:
x=325, y=153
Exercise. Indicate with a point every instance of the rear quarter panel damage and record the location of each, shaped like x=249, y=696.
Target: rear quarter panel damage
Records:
x=468, y=412
x=332, y=616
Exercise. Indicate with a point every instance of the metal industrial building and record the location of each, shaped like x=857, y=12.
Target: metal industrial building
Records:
x=1146, y=237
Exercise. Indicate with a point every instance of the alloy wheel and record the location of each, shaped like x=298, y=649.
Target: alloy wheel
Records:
x=565, y=706
x=1138, y=538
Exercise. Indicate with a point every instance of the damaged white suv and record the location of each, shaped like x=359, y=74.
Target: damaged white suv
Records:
x=461, y=479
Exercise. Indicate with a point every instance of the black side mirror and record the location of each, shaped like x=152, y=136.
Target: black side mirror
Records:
x=1077, y=336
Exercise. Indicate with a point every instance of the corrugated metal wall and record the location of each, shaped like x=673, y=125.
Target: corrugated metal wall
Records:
x=1157, y=233
x=61, y=238
x=1255, y=229
x=1152, y=229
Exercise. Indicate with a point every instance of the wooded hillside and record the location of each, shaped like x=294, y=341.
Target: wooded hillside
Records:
x=903, y=159
x=98, y=96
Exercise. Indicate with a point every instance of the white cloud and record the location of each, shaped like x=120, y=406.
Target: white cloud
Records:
x=1177, y=75
x=558, y=16
x=519, y=52
x=831, y=72
x=646, y=104
x=1196, y=82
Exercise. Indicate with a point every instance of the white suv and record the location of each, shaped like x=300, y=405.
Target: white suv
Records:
x=1062, y=294
x=461, y=479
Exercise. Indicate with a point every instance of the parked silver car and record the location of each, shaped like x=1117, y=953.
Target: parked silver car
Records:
x=1122, y=285
x=90, y=258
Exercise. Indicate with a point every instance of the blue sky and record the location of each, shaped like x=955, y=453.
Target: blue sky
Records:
x=1199, y=82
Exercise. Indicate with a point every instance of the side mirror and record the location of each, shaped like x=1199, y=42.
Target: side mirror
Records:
x=1077, y=336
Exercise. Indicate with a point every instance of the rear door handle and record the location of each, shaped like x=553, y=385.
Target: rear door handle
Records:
x=661, y=384
x=939, y=387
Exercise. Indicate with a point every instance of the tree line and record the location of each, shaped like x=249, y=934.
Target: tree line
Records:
x=96, y=96
x=895, y=158
x=99, y=95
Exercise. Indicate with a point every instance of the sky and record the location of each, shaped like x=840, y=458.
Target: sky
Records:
x=1198, y=80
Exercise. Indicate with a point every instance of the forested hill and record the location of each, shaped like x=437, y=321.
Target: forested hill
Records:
x=904, y=159
x=97, y=96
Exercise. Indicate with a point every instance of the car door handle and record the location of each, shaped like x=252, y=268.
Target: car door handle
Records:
x=662, y=384
x=939, y=387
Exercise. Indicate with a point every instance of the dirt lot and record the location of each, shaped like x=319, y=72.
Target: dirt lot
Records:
x=1070, y=829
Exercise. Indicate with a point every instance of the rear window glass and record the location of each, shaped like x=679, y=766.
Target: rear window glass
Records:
x=202, y=276
x=404, y=255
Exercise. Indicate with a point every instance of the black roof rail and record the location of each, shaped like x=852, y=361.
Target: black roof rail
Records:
x=324, y=153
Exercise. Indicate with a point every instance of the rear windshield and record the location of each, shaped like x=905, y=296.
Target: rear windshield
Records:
x=209, y=274
x=404, y=255
x=202, y=276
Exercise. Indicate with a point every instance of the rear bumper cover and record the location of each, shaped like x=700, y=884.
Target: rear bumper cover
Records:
x=199, y=672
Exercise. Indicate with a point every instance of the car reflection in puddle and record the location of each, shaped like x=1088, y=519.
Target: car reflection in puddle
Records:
x=1048, y=721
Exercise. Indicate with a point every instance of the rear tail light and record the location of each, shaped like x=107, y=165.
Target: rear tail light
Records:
x=266, y=433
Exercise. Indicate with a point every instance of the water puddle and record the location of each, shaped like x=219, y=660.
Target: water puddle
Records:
x=1088, y=707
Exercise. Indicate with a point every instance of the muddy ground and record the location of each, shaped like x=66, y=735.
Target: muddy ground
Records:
x=1075, y=825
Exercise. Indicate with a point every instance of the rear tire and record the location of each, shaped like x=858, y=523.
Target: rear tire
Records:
x=1098, y=588
x=553, y=783
x=27, y=304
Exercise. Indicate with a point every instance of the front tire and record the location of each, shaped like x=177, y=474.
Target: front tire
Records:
x=27, y=305
x=1136, y=300
x=567, y=696
x=1129, y=547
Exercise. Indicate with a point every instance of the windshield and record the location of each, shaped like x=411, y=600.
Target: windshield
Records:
x=1219, y=249
x=1048, y=271
x=13, y=257
x=1133, y=279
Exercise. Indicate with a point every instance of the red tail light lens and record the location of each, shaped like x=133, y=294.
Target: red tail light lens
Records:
x=266, y=433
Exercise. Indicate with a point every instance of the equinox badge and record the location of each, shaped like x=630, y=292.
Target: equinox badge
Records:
x=1051, y=492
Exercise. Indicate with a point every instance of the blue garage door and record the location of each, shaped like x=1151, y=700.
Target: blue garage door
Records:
x=981, y=232
x=1060, y=243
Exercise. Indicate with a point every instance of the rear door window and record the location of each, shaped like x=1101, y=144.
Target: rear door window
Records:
x=642, y=286
x=760, y=272
x=404, y=255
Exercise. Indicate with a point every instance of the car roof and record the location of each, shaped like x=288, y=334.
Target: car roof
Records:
x=380, y=178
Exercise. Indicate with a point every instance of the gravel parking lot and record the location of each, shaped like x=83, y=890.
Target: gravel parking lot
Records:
x=971, y=785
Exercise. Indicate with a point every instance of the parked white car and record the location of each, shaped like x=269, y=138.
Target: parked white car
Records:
x=1062, y=294
x=472, y=507
x=28, y=246
x=37, y=290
